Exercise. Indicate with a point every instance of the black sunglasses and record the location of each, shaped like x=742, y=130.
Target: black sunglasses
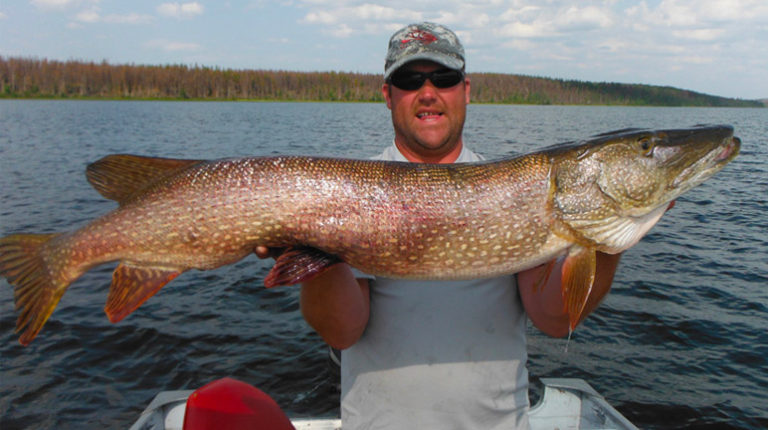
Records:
x=410, y=80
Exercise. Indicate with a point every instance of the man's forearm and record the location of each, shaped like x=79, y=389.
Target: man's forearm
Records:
x=336, y=305
x=544, y=303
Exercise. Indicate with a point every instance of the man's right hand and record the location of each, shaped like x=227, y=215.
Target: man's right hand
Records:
x=265, y=252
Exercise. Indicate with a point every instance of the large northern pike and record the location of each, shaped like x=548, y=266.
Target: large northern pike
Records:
x=403, y=220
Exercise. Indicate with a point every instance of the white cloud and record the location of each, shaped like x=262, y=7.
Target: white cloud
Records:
x=128, y=18
x=373, y=12
x=341, y=30
x=181, y=46
x=703, y=34
x=88, y=16
x=3, y=16
x=496, y=22
x=59, y=4
x=344, y=19
x=320, y=17
x=525, y=30
x=93, y=15
x=360, y=13
x=51, y=4
x=689, y=13
x=180, y=10
x=90, y=13
x=519, y=44
x=575, y=18
x=525, y=12
x=698, y=60
x=171, y=46
x=529, y=21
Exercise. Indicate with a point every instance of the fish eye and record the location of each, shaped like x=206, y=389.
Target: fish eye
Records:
x=646, y=145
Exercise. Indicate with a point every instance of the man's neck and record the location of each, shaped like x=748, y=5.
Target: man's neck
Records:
x=437, y=158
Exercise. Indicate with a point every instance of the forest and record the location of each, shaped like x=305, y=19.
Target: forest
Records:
x=42, y=78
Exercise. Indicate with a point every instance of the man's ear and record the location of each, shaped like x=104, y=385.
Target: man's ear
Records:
x=386, y=91
x=466, y=89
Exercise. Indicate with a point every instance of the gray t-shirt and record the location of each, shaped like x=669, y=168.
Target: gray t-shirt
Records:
x=438, y=354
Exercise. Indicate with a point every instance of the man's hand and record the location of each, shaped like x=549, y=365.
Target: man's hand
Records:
x=265, y=252
x=544, y=304
x=334, y=303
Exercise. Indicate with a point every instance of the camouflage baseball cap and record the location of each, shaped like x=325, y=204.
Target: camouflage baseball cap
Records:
x=424, y=41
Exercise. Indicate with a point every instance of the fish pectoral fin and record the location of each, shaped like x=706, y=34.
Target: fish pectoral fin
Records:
x=297, y=265
x=544, y=275
x=132, y=285
x=578, y=276
x=119, y=176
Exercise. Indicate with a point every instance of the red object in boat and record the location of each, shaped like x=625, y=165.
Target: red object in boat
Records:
x=231, y=404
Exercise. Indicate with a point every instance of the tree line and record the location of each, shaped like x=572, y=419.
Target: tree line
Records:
x=43, y=78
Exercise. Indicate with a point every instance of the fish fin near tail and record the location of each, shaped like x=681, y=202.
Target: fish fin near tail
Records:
x=297, y=265
x=578, y=277
x=36, y=293
x=132, y=285
x=119, y=176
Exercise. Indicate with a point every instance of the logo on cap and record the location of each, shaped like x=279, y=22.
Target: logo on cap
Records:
x=422, y=36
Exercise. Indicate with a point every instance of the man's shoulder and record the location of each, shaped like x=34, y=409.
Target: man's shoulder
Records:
x=391, y=153
x=468, y=156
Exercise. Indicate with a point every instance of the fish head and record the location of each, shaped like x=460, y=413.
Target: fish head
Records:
x=612, y=189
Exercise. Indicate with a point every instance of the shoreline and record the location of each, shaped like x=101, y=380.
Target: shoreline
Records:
x=245, y=100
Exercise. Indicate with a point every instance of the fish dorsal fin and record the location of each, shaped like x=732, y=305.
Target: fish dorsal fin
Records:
x=132, y=285
x=297, y=265
x=119, y=176
x=578, y=276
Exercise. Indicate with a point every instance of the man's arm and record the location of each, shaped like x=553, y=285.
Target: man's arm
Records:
x=334, y=303
x=544, y=305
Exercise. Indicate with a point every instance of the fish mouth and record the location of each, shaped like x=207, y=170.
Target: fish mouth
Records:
x=709, y=164
x=729, y=150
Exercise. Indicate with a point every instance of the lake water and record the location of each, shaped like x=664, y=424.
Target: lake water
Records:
x=681, y=341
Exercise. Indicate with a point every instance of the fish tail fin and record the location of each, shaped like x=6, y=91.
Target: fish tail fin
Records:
x=36, y=291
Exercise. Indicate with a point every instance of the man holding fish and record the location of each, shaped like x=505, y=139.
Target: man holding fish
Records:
x=475, y=247
x=436, y=354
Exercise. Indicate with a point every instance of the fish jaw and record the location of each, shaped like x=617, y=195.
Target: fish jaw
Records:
x=710, y=163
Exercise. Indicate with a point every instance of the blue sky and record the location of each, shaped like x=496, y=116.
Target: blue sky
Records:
x=714, y=47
